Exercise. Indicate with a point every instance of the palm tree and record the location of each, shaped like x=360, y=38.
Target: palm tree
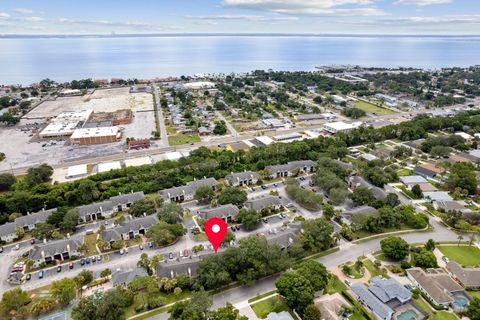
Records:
x=43, y=305
x=460, y=238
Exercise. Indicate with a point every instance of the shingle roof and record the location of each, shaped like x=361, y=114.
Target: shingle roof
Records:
x=439, y=285
x=137, y=224
x=125, y=277
x=241, y=176
x=127, y=198
x=263, y=202
x=377, y=192
x=291, y=165
x=189, y=188
x=389, y=289
x=174, y=268
x=408, y=180
x=55, y=247
x=92, y=208
x=228, y=210
x=30, y=219
x=469, y=277
x=360, y=210
x=438, y=196
x=380, y=309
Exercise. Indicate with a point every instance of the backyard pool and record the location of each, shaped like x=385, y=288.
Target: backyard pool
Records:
x=407, y=315
x=460, y=301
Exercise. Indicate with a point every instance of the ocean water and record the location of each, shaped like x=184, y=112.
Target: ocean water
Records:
x=28, y=60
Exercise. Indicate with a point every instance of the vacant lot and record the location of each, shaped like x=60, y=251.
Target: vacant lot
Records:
x=181, y=138
x=100, y=101
x=464, y=255
x=372, y=108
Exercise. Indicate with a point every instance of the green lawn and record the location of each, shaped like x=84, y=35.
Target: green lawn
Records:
x=374, y=271
x=91, y=242
x=260, y=296
x=140, y=298
x=335, y=285
x=475, y=294
x=404, y=172
x=443, y=315
x=358, y=315
x=464, y=255
x=181, y=138
x=373, y=108
x=273, y=304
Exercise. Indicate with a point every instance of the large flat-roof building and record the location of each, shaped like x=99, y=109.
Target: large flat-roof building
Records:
x=95, y=135
x=66, y=123
x=340, y=126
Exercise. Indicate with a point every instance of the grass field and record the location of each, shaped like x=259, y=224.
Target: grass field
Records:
x=374, y=271
x=91, y=242
x=372, y=108
x=181, y=138
x=443, y=315
x=260, y=296
x=273, y=304
x=464, y=255
x=475, y=294
x=404, y=172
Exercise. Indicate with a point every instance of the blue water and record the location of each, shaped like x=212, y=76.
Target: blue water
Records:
x=29, y=60
x=407, y=315
x=460, y=301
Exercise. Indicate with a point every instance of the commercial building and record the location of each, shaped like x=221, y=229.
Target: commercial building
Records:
x=78, y=171
x=108, y=166
x=66, y=123
x=95, y=135
x=340, y=126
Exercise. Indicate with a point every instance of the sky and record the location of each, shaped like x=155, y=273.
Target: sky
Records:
x=442, y=17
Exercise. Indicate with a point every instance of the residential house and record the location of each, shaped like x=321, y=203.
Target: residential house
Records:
x=429, y=170
x=263, y=202
x=451, y=206
x=8, y=231
x=283, y=239
x=124, y=201
x=187, y=192
x=411, y=181
x=172, y=269
x=469, y=278
x=330, y=306
x=290, y=169
x=436, y=285
x=462, y=157
x=60, y=250
x=384, y=296
x=356, y=215
x=242, y=178
x=357, y=181
x=227, y=212
x=435, y=196
x=284, y=315
x=124, y=277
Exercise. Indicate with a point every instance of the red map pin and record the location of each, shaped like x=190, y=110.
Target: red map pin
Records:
x=216, y=229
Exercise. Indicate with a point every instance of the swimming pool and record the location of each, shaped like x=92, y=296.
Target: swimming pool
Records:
x=407, y=315
x=460, y=301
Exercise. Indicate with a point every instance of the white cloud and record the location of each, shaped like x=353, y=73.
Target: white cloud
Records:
x=23, y=10
x=4, y=15
x=241, y=17
x=422, y=3
x=34, y=19
x=311, y=7
x=424, y=21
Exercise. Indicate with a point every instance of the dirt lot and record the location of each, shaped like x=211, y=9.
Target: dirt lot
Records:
x=100, y=101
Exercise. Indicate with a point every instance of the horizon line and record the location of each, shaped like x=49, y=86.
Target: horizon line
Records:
x=219, y=34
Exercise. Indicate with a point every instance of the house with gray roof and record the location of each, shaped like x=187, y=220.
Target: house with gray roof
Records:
x=368, y=299
x=410, y=181
x=60, y=250
x=263, y=202
x=242, y=178
x=357, y=215
x=172, y=269
x=357, y=181
x=187, y=192
x=469, y=278
x=284, y=315
x=383, y=297
x=124, y=277
x=451, y=206
x=436, y=285
x=27, y=223
x=289, y=169
x=105, y=209
x=437, y=196
x=129, y=229
x=227, y=212
x=282, y=239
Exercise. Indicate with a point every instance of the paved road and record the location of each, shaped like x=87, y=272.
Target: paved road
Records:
x=230, y=128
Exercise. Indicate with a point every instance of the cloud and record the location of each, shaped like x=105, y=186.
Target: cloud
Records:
x=425, y=21
x=4, y=15
x=23, y=10
x=213, y=18
x=310, y=7
x=34, y=19
x=138, y=26
x=422, y=3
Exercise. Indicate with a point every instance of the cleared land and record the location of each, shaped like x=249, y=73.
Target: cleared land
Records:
x=181, y=138
x=372, y=108
x=273, y=304
x=465, y=255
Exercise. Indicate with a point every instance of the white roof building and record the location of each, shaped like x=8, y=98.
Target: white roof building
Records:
x=464, y=135
x=265, y=140
x=199, y=85
x=95, y=132
x=136, y=162
x=340, y=126
x=107, y=166
x=58, y=130
x=77, y=171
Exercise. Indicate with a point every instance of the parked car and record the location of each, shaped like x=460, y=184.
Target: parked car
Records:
x=1, y=249
x=232, y=228
x=150, y=245
x=25, y=254
x=180, y=254
x=265, y=220
x=170, y=255
x=94, y=259
x=59, y=268
x=28, y=276
x=17, y=246
x=122, y=251
x=264, y=187
x=275, y=185
x=237, y=226
x=82, y=262
x=99, y=258
x=32, y=241
x=289, y=205
x=88, y=260
x=140, y=247
x=70, y=266
x=126, y=250
x=40, y=274
x=185, y=253
x=444, y=258
x=348, y=282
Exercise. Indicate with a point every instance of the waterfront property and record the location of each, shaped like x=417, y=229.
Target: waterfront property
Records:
x=187, y=192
